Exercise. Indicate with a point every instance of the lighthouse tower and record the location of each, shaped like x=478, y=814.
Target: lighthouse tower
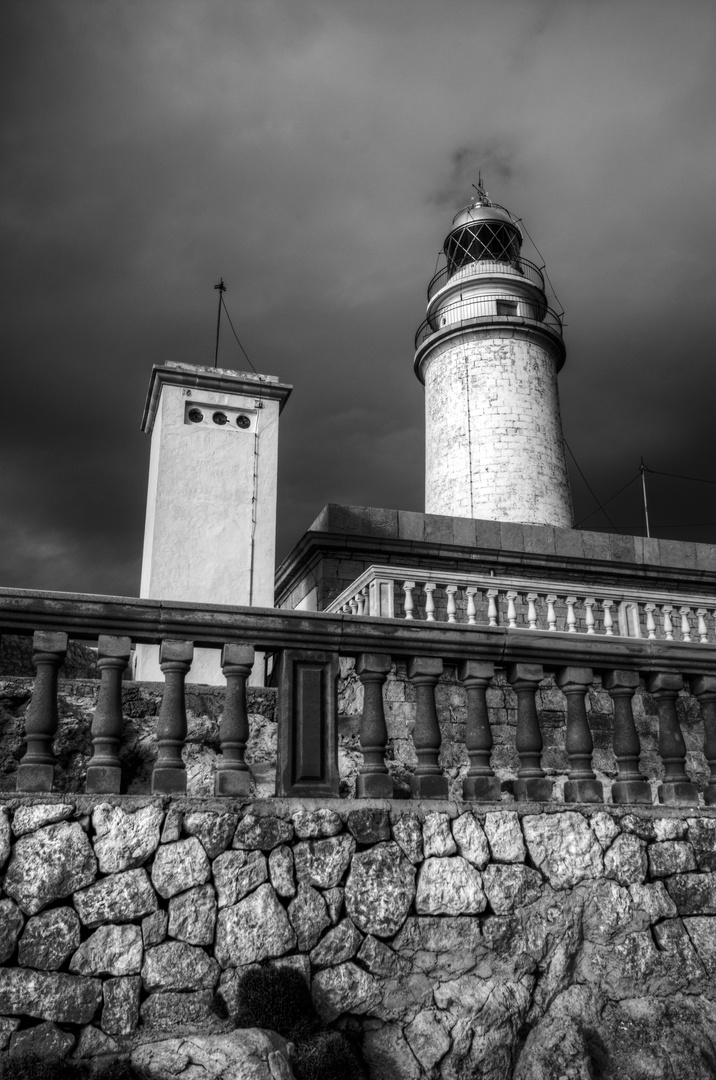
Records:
x=488, y=355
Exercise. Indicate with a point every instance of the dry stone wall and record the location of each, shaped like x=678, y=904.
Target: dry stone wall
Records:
x=458, y=942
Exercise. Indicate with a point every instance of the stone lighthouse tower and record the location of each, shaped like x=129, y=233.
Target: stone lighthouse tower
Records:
x=488, y=355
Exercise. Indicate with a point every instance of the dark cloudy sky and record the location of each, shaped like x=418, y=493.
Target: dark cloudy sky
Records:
x=313, y=152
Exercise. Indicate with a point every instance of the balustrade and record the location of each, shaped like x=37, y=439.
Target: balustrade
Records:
x=309, y=645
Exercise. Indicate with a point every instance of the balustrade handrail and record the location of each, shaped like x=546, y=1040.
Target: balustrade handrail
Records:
x=85, y=617
x=548, y=318
x=523, y=586
x=524, y=268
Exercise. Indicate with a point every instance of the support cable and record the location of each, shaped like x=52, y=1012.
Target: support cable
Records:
x=236, y=335
x=600, y=506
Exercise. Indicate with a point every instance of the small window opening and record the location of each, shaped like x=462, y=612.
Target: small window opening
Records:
x=506, y=307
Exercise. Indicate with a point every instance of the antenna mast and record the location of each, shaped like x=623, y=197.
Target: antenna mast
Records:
x=643, y=470
x=222, y=289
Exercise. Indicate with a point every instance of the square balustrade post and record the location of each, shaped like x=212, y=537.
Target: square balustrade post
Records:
x=307, y=717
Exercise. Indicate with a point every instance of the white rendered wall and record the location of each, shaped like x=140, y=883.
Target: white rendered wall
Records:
x=494, y=445
x=203, y=479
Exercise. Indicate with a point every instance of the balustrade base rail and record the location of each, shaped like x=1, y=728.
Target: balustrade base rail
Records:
x=309, y=646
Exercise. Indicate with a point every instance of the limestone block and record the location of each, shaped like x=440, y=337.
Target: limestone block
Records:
x=280, y=867
x=408, y=835
x=504, y=835
x=49, y=938
x=8, y=1024
x=5, y=839
x=380, y=959
x=441, y=946
x=308, y=916
x=110, y=950
x=625, y=861
x=653, y=901
x=323, y=863
x=510, y=886
x=437, y=837
x=154, y=928
x=428, y=1038
x=171, y=1009
x=174, y=965
x=124, y=841
x=172, y=825
x=380, y=889
x=180, y=866
x=344, y=989
x=702, y=837
x=702, y=933
x=47, y=1042
x=253, y=929
x=263, y=833
x=608, y=913
x=671, y=857
x=388, y=1054
x=669, y=829
x=93, y=1043
x=192, y=915
x=449, y=886
x=11, y=923
x=49, y=864
x=311, y=824
x=28, y=819
x=641, y=827
x=334, y=902
x=471, y=840
x=215, y=831
x=369, y=826
x=673, y=940
x=247, y=1053
x=237, y=873
x=693, y=894
x=605, y=828
x=120, y=1015
x=340, y=944
x=119, y=898
x=67, y=999
x=563, y=847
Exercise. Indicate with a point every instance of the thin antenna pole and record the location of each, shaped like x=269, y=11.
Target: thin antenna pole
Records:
x=643, y=470
x=222, y=289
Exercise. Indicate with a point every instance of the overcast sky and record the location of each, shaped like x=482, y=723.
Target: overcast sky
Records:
x=313, y=153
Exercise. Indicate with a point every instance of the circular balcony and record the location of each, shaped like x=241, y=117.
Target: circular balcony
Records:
x=485, y=308
x=517, y=268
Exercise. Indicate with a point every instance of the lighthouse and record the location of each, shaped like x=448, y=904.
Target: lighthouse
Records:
x=488, y=354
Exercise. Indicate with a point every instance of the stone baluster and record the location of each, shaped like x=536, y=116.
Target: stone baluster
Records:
x=492, y=616
x=470, y=594
x=607, y=606
x=677, y=790
x=353, y=606
x=169, y=773
x=532, y=610
x=374, y=781
x=582, y=785
x=450, y=591
x=571, y=616
x=429, y=589
x=511, y=609
x=704, y=690
x=480, y=782
x=666, y=610
x=531, y=784
x=650, y=621
x=35, y=771
x=630, y=786
x=551, y=613
x=684, y=612
x=361, y=600
x=408, y=587
x=232, y=776
x=428, y=781
x=589, y=614
x=104, y=772
x=703, y=629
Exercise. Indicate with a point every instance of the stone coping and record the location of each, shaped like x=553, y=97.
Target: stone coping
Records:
x=285, y=807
